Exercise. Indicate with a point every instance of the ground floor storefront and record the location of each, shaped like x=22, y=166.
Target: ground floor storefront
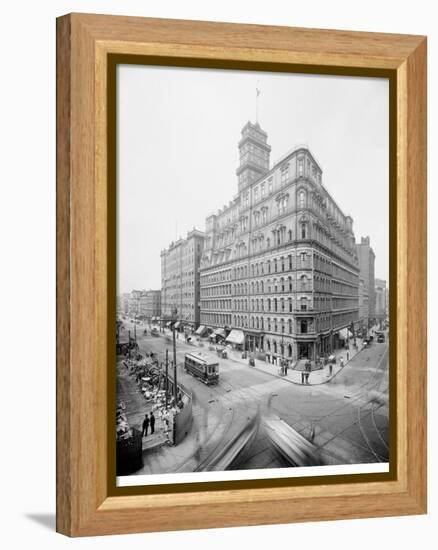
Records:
x=292, y=348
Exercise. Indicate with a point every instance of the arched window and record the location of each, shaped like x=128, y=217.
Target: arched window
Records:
x=275, y=346
x=268, y=345
x=262, y=286
x=269, y=304
x=275, y=265
x=268, y=242
x=303, y=230
x=290, y=234
x=303, y=282
x=257, y=322
x=290, y=326
x=303, y=303
x=289, y=350
x=301, y=199
x=303, y=327
x=275, y=304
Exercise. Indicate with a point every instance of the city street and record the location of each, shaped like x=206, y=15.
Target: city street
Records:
x=345, y=418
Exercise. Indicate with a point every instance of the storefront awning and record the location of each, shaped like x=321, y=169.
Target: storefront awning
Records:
x=200, y=330
x=168, y=323
x=345, y=333
x=177, y=324
x=236, y=337
x=219, y=332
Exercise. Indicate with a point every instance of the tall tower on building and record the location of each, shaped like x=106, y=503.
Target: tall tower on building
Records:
x=254, y=154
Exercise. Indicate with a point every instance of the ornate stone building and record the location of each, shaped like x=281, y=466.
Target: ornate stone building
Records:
x=363, y=304
x=381, y=299
x=180, y=279
x=366, y=265
x=280, y=265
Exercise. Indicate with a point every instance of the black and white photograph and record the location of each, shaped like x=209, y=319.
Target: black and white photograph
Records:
x=252, y=275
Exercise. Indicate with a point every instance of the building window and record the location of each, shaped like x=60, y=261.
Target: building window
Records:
x=303, y=304
x=270, y=185
x=304, y=230
x=302, y=199
x=290, y=234
x=262, y=187
x=300, y=166
x=303, y=327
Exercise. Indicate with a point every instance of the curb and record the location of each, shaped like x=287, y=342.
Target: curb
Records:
x=310, y=384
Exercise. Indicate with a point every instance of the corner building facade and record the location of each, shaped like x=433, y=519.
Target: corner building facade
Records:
x=280, y=263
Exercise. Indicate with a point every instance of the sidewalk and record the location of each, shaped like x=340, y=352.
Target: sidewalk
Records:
x=317, y=377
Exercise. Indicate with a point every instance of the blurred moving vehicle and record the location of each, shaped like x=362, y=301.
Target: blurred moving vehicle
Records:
x=380, y=337
x=235, y=452
x=292, y=446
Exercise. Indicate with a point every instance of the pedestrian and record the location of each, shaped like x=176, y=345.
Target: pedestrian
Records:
x=348, y=355
x=152, y=421
x=302, y=376
x=308, y=369
x=341, y=362
x=285, y=369
x=330, y=369
x=144, y=433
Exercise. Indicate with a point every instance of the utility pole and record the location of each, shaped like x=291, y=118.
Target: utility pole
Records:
x=175, y=386
x=167, y=378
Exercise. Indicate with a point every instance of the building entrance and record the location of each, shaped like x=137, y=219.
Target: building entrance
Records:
x=304, y=350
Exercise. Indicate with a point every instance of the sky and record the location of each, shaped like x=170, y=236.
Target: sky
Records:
x=177, y=136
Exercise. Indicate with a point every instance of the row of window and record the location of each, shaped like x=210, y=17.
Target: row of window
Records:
x=291, y=284
x=289, y=326
x=303, y=303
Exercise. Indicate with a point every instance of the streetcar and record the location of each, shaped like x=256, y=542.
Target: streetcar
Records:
x=200, y=367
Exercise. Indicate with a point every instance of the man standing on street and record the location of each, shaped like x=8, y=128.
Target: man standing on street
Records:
x=152, y=423
x=302, y=377
x=144, y=433
x=308, y=369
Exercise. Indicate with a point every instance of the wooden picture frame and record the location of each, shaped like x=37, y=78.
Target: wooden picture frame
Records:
x=85, y=44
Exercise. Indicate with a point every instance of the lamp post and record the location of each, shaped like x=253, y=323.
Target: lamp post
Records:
x=175, y=385
x=167, y=378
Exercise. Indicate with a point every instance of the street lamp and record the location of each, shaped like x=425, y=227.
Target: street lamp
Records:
x=175, y=388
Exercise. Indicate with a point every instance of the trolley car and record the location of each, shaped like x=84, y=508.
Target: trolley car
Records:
x=199, y=366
